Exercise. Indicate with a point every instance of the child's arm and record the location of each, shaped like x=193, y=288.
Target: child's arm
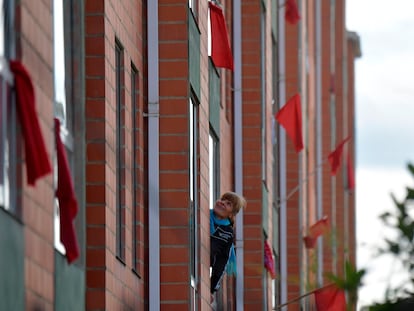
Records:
x=218, y=266
x=221, y=240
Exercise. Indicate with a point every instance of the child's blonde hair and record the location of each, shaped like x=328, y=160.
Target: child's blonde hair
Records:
x=236, y=200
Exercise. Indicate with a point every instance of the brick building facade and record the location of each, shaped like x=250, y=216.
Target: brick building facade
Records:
x=154, y=132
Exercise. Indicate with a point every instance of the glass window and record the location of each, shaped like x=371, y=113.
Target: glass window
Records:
x=120, y=153
x=263, y=91
x=193, y=156
x=192, y=4
x=7, y=110
x=214, y=161
x=139, y=172
x=63, y=109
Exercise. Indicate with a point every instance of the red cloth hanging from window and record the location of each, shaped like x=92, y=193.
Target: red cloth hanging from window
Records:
x=268, y=260
x=37, y=160
x=335, y=157
x=316, y=230
x=68, y=205
x=220, y=45
x=291, y=11
x=330, y=298
x=290, y=117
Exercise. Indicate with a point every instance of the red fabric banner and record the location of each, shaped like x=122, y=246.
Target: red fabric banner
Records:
x=220, y=45
x=335, y=156
x=68, y=205
x=330, y=298
x=290, y=117
x=316, y=230
x=291, y=11
x=268, y=260
x=36, y=157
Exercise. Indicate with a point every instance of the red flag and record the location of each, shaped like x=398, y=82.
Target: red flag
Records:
x=330, y=298
x=220, y=45
x=350, y=173
x=37, y=160
x=68, y=205
x=291, y=11
x=316, y=230
x=268, y=260
x=290, y=117
x=335, y=156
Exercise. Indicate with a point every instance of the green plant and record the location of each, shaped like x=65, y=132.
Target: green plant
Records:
x=401, y=247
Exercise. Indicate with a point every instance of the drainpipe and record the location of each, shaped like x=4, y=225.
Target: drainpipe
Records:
x=153, y=161
x=319, y=210
x=282, y=156
x=238, y=149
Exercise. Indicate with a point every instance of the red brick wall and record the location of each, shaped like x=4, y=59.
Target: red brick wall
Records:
x=174, y=148
x=292, y=169
x=341, y=133
x=111, y=284
x=253, y=236
x=252, y=148
x=34, y=49
x=333, y=191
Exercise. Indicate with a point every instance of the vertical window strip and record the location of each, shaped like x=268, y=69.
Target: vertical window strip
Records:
x=63, y=107
x=120, y=151
x=214, y=161
x=193, y=129
x=135, y=170
x=7, y=112
x=192, y=4
x=263, y=90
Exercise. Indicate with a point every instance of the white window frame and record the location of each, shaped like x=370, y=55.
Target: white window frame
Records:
x=193, y=174
x=61, y=105
x=8, y=117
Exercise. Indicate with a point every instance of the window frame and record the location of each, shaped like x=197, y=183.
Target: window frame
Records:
x=214, y=167
x=120, y=151
x=8, y=113
x=193, y=199
x=139, y=172
x=63, y=108
x=193, y=6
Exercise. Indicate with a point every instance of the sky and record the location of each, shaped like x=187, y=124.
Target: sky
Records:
x=384, y=127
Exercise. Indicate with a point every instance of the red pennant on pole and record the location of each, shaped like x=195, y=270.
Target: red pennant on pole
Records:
x=330, y=298
x=350, y=173
x=316, y=230
x=290, y=117
x=291, y=12
x=220, y=45
x=335, y=156
x=36, y=157
x=268, y=260
x=68, y=205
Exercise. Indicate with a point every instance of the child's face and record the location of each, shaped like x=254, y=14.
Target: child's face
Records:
x=223, y=209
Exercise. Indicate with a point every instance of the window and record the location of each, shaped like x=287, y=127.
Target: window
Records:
x=193, y=156
x=7, y=110
x=263, y=91
x=192, y=4
x=214, y=162
x=139, y=172
x=63, y=109
x=120, y=152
